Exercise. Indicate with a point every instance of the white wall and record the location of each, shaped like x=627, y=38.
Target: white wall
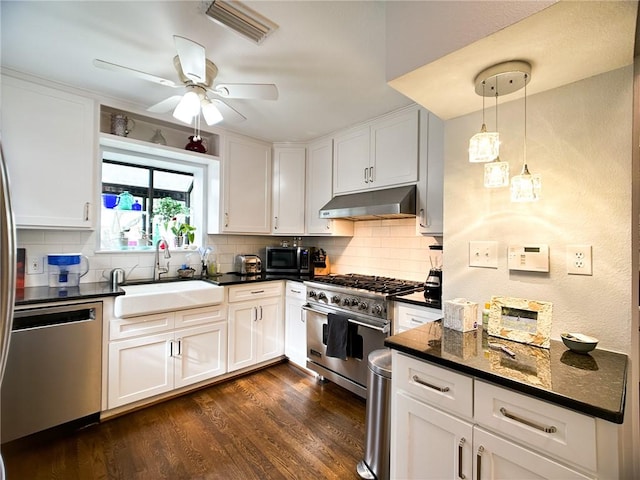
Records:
x=579, y=139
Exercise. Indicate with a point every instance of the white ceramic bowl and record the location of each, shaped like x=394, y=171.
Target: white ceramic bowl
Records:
x=578, y=342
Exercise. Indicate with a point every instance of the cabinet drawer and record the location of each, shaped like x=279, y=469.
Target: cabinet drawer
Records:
x=438, y=386
x=142, y=325
x=200, y=316
x=241, y=293
x=410, y=317
x=296, y=290
x=557, y=431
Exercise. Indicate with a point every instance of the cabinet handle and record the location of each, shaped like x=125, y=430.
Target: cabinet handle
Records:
x=366, y=178
x=415, y=320
x=254, y=314
x=417, y=379
x=171, y=348
x=479, y=462
x=260, y=312
x=226, y=219
x=87, y=206
x=460, y=474
x=254, y=292
x=550, y=429
x=276, y=223
x=295, y=291
x=370, y=174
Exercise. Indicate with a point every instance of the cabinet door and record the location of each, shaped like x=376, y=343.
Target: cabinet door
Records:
x=242, y=339
x=351, y=161
x=319, y=191
x=288, y=190
x=295, y=332
x=49, y=142
x=270, y=326
x=247, y=186
x=431, y=182
x=497, y=458
x=394, y=149
x=428, y=443
x=201, y=353
x=139, y=368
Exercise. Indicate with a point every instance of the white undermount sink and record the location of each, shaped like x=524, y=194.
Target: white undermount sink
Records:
x=166, y=296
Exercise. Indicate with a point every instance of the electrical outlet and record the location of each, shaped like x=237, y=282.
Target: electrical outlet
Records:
x=579, y=261
x=35, y=265
x=483, y=254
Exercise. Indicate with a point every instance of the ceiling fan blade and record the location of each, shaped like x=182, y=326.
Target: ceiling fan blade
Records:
x=262, y=91
x=165, y=105
x=228, y=113
x=192, y=59
x=137, y=73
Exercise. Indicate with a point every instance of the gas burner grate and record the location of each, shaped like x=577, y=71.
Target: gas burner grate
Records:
x=372, y=283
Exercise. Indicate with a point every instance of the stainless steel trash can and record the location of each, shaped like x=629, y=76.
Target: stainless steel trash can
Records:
x=375, y=464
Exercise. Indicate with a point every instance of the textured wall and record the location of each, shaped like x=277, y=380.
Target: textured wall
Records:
x=579, y=139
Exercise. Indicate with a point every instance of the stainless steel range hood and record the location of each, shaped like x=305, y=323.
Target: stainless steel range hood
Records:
x=399, y=202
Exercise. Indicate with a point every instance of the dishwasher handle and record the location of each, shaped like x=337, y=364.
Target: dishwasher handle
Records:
x=49, y=317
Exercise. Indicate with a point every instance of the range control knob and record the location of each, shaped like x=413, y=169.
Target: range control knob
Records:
x=335, y=299
x=322, y=296
x=312, y=293
x=354, y=302
x=346, y=302
x=377, y=310
x=363, y=306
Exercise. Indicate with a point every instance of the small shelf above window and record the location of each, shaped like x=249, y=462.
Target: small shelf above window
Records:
x=144, y=129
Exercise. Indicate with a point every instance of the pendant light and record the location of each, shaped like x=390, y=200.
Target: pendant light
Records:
x=525, y=187
x=484, y=146
x=496, y=172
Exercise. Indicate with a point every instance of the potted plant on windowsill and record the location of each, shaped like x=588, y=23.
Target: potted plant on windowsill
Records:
x=169, y=215
x=183, y=231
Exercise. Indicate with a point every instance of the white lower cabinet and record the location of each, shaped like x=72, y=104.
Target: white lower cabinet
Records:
x=142, y=365
x=295, y=330
x=256, y=327
x=449, y=425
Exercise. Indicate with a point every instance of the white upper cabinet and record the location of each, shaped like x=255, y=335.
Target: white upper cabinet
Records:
x=319, y=191
x=49, y=142
x=381, y=153
x=247, y=186
x=430, y=184
x=288, y=190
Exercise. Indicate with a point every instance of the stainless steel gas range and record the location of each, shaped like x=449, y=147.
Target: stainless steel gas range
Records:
x=355, y=310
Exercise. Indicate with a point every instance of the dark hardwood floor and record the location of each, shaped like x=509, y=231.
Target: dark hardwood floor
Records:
x=271, y=424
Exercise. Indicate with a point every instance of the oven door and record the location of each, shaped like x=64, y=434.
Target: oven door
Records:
x=351, y=373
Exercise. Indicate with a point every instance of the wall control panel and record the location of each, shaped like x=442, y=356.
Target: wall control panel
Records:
x=528, y=258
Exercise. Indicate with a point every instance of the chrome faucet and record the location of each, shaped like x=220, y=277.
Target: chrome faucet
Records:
x=157, y=269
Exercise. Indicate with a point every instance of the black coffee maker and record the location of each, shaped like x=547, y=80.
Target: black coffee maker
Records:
x=433, y=284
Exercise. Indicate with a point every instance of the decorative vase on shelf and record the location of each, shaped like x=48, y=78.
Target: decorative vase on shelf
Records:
x=195, y=144
x=158, y=138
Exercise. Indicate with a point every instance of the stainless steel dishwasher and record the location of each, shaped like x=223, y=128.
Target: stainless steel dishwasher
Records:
x=53, y=369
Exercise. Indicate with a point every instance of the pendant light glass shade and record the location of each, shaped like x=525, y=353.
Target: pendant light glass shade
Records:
x=496, y=174
x=188, y=107
x=210, y=112
x=526, y=187
x=484, y=146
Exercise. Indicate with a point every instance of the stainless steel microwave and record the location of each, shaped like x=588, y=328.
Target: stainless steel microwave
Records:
x=288, y=261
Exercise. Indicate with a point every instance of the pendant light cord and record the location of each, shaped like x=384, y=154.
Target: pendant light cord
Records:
x=525, y=121
x=483, y=83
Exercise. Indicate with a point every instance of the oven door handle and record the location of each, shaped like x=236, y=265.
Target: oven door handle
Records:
x=384, y=329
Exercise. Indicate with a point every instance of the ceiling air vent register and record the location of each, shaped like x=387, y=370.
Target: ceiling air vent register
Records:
x=240, y=18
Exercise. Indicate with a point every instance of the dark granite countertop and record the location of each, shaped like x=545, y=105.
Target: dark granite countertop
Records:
x=415, y=298
x=85, y=291
x=593, y=384
x=233, y=278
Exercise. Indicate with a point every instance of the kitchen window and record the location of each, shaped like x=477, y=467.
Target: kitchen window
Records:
x=132, y=184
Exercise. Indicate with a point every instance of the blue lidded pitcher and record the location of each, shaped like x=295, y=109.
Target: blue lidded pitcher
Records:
x=125, y=201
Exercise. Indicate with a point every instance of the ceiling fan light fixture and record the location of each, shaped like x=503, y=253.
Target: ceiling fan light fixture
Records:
x=210, y=112
x=188, y=107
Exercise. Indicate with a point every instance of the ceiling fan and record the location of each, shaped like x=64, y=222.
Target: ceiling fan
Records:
x=197, y=73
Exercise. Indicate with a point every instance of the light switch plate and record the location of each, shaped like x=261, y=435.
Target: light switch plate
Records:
x=579, y=260
x=483, y=254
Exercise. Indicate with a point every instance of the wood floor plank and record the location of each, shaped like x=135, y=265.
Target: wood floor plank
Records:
x=277, y=423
